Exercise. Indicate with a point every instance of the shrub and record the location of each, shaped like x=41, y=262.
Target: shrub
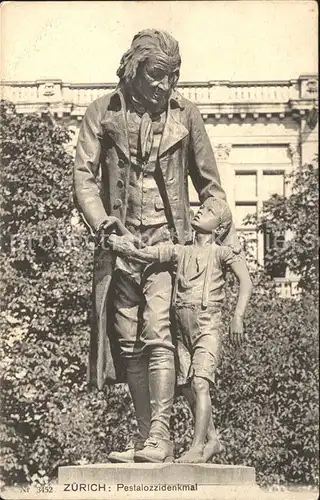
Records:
x=46, y=287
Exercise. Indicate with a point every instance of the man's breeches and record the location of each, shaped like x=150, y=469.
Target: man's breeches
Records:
x=142, y=323
x=142, y=311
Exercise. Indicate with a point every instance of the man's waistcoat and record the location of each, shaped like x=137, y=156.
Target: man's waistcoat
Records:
x=145, y=204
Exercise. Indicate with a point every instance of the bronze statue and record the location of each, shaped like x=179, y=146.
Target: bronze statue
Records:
x=197, y=299
x=144, y=139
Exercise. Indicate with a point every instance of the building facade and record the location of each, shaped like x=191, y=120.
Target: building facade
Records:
x=260, y=131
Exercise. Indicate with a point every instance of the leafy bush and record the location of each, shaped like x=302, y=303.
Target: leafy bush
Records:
x=266, y=394
x=46, y=290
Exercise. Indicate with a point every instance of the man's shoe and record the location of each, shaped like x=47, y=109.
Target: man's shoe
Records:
x=122, y=457
x=126, y=456
x=155, y=451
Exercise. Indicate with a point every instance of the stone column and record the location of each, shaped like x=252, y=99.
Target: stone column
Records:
x=308, y=116
x=309, y=139
x=294, y=150
x=295, y=155
x=222, y=153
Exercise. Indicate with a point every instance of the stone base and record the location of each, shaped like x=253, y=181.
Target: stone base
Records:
x=159, y=481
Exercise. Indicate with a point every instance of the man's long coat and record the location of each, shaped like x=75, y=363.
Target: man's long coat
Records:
x=103, y=152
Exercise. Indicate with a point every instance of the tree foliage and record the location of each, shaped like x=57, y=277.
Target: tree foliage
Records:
x=46, y=289
x=290, y=226
x=266, y=396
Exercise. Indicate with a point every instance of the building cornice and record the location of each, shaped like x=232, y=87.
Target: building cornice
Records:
x=209, y=83
x=216, y=99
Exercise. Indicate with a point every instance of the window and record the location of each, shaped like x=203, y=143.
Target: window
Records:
x=242, y=210
x=273, y=183
x=273, y=245
x=245, y=185
x=259, y=172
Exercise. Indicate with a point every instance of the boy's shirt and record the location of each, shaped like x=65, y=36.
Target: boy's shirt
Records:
x=200, y=272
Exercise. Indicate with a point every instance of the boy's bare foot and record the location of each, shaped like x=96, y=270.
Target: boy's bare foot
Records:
x=193, y=456
x=212, y=447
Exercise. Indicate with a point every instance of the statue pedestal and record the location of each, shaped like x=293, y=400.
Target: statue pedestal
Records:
x=160, y=481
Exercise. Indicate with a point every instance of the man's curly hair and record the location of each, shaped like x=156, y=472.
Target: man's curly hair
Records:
x=144, y=44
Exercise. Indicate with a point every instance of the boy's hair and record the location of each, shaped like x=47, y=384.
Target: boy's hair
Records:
x=221, y=209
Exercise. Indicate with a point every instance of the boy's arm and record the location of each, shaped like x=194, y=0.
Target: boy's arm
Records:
x=240, y=270
x=123, y=246
x=164, y=252
x=169, y=252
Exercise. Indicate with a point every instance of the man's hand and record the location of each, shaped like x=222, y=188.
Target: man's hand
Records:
x=103, y=233
x=236, y=332
x=137, y=243
x=114, y=225
x=124, y=246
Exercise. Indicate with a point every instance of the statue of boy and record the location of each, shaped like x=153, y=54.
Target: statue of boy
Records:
x=143, y=139
x=197, y=299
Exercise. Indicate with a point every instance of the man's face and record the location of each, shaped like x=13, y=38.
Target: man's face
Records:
x=205, y=220
x=155, y=80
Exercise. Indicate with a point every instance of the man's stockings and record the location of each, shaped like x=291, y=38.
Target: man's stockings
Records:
x=151, y=381
x=138, y=382
x=161, y=386
x=158, y=447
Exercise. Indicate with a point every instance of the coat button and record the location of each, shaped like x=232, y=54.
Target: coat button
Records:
x=117, y=203
x=121, y=164
x=120, y=183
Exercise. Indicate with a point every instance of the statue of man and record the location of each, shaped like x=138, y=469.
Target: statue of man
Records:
x=143, y=140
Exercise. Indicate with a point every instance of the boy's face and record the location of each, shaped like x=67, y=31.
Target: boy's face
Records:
x=205, y=220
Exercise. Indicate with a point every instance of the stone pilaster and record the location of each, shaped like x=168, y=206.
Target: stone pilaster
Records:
x=222, y=154
x=294, y=153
